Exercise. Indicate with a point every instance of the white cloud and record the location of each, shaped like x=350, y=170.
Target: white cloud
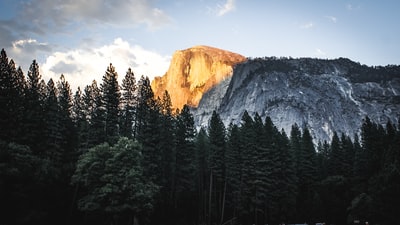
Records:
x=307, y=25
x=43, y=16
x=319, y=52
x=28, y=45
x=81, y=67
x=331, y=18
x=23, y=51
x=226, y=8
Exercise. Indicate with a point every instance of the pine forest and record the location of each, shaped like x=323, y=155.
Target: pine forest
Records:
x=113, y=153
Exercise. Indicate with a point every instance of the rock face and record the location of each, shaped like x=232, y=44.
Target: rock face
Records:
x=193, y=72
x=325, y=95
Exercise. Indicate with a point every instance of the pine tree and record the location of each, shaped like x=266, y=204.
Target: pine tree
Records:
x=202, y=173
x=53, y=132
x=336, y=157
x=234, y=168
x=169, y=126
x=12, y=90
x=96, y=115
x=147, y=130
x=306, y=172
x=185, y=163
x=69, y=134
x=111, y=100
x=129, y=101
x=348, y=153
x=79, y=119
x=217, y=135
x=33, y=120
x=5, y=98
x=249, y=177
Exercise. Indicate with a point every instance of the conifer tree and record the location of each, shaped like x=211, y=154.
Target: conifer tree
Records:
x=53, y=133
x=79, y=119
x=111, y=100
x=234, y=168
x=12, y=88
x=306, y=172
x=168, y=147
x=33, y=120
x=249, y=177
x=336, y=157
x=147, y=130
x=202, y=173
x=129, y=101
x=96, y=115
x=217, y=135
x=184, y=162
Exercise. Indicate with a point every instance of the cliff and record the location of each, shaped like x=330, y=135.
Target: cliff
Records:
x=193, y=72
x=325, y=95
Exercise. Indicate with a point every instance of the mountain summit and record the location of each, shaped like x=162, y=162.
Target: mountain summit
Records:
x=194, y=71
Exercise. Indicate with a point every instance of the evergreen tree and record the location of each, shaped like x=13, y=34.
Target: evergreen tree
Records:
x=6, y=86
x=33, y=120
x=95, y=113
x=348, y=153
x=79, y=119
x=202, y=174
x=249, y=156
x=306, y=172
x=53, y=133
x=129, y=101
x=115, y=183
x=234, y=168
x=184, y=164
x=168, y=141
x=147, y=130
x=336, y=158
x=12, y=90
x=111, y=100
x=217, y=135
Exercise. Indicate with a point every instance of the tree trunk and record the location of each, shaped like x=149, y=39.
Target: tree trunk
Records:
x=223, y=204
x=209, y=199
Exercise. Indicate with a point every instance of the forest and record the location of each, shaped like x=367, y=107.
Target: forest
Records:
x=114, y=153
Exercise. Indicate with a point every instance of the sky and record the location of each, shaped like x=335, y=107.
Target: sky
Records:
x=81, y=38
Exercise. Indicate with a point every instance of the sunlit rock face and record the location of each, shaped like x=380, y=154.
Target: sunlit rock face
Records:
x=193, y=72
x=324, y=95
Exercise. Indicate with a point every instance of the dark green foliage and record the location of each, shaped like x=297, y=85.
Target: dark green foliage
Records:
x=114, y=181
x=184, y=164
x=110, y=103
x=12, y=93
x=162, y=172
x=217, y=143
x=33, y=119
x=202, y=173
x=96, y=115
x=128, y=100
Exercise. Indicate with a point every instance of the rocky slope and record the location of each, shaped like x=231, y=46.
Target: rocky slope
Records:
x=193, y=72
x=325, y=95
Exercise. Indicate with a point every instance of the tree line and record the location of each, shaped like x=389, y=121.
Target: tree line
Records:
x=117, y=154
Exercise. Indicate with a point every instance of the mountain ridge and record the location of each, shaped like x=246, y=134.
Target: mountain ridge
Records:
x=327, y=95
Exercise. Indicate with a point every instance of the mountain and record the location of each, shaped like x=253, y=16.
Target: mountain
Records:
x=194, y=71
x=325, y=95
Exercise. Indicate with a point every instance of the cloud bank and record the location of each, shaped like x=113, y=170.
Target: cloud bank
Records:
x=82, y=66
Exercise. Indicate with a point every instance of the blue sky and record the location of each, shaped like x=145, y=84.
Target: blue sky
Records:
x=80, y=38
